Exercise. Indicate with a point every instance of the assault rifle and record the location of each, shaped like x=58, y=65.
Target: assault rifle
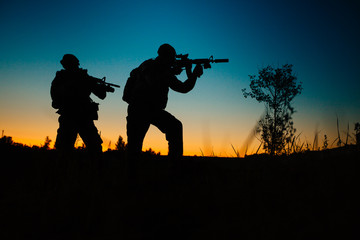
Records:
x=182, y=60
x=109, y=86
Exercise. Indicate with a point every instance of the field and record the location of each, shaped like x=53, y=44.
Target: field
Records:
x=311, y=195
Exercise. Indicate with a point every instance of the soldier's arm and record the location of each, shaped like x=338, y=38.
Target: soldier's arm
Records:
x=189, y=84
x=98, y=89
x=182, y=87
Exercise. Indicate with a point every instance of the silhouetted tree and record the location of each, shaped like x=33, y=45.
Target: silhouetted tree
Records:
x=276, y=88
x=6, y=140
x=151, y=152
x=120, y=144
x=47, y=142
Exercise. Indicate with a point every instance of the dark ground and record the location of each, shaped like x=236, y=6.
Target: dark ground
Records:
x=311, y=195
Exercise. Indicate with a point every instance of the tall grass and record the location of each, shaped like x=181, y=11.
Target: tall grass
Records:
x=237, y=153
x=297, y=145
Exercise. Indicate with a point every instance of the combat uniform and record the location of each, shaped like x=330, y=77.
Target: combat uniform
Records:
x=147, y=103
x=70, y=93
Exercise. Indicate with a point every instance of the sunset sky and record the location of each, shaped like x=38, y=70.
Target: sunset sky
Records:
x=110, y=38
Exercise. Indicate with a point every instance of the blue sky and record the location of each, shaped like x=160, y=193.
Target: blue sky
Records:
x=110, y=38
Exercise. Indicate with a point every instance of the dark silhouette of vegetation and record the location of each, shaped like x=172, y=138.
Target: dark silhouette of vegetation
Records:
x=357, y=133
x=325, y=143
x=308, y=195
x=301, y=196
x=120, y=145
x=47, y=142
x=276, y=88
x=338, y=139
x=151, y=152
x=6, y=140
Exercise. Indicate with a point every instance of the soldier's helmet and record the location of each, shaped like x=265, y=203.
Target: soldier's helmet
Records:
x=69, y=61
x=167, y=53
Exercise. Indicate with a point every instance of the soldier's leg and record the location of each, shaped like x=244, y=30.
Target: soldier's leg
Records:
x=89, y=134
x=65, y=139
x=137, y=126
x=173, y=130
x=66, y=134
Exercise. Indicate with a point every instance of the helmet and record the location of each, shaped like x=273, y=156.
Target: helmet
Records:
x=167, y=54
x=166, y=50
x=69, y=61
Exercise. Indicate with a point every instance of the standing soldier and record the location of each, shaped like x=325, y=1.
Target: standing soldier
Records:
x=70, y=94
x=146, y=92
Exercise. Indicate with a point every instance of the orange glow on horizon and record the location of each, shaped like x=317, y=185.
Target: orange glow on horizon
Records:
x=156, y=145
x=214, y=136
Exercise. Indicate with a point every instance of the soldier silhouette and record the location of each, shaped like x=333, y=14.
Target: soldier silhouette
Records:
x=146, y=92
x=70, y=93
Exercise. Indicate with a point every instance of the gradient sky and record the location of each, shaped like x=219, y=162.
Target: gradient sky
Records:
x=110, y=38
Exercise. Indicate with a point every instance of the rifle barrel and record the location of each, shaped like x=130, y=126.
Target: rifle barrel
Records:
x=182, y=59
x=103, y=81
x=111, y=84
x=205, y=60
x=221, y=60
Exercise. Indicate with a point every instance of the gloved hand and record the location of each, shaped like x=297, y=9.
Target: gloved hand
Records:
x=198, y=70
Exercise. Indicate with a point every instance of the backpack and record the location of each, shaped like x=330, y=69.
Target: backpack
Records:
x=135, y=84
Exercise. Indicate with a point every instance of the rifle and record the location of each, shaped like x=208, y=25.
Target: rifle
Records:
x=109, y=86
x=182, y=60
